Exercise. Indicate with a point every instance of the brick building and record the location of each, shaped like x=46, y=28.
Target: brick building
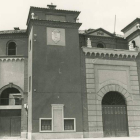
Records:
x=57, y=81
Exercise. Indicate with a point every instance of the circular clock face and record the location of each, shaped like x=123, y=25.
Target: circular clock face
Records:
x=56, y=36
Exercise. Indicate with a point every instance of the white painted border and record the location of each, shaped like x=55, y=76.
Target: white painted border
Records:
x=60, y=106
x=74, y=124
x=40, y=124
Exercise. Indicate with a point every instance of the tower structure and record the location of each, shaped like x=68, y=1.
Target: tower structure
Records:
x=54, y=76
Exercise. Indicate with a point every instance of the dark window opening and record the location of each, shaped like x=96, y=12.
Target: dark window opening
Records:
x=69, y=124
x=46, y=125
x=17, y=101
x=7, y=97
x=100, y=45
x=11, y=50
x=30, y=44
x=113, y=98
x=134, y=44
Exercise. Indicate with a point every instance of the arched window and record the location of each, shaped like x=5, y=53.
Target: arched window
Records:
x=134, y=44
x=11, y=48
x=113, y=98
x=100, y=45
x=10, y=96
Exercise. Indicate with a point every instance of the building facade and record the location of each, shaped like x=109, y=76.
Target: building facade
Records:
x=60, y=82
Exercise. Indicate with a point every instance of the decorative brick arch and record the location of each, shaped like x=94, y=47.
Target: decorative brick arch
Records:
x=11, y=85
x=113, y=87
x=113, y=82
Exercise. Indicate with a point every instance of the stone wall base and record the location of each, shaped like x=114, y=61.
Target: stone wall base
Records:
x=60, y=135
x=24, y=134
x=98, y=134
x=134, y=131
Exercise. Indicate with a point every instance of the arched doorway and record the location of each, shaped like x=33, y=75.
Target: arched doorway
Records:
x=100, y=45
x=10, y=112
x=114, y=113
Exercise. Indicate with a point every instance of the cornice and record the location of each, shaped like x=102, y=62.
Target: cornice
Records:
x=104, y=38
x=12, y=58
x=11, y=36
x=114, y=53
x=55, y=23
x=55, y=10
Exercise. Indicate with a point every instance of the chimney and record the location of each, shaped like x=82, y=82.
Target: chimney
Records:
x=51, y=6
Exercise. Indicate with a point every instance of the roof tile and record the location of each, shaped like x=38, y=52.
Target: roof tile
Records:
x=12, y=31
x=55, y=9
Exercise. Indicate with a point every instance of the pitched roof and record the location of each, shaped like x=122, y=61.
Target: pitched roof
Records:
x=89, y=31
x=12, y=32
x=130, y=24
x=72, y=11
x=95, y=30
x=52, y=10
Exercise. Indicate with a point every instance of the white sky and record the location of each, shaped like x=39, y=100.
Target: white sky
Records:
x=94, y=13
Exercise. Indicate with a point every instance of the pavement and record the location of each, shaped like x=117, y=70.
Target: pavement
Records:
x=109, y=138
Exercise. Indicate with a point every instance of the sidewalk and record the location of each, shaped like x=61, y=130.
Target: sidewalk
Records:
x=110, y=138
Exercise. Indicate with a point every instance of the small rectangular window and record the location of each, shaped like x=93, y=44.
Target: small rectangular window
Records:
x=69, y=124
x=30, y=46
x=45, y=124
x=17, y=101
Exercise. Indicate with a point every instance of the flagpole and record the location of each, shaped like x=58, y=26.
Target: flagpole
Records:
x=115, y=24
